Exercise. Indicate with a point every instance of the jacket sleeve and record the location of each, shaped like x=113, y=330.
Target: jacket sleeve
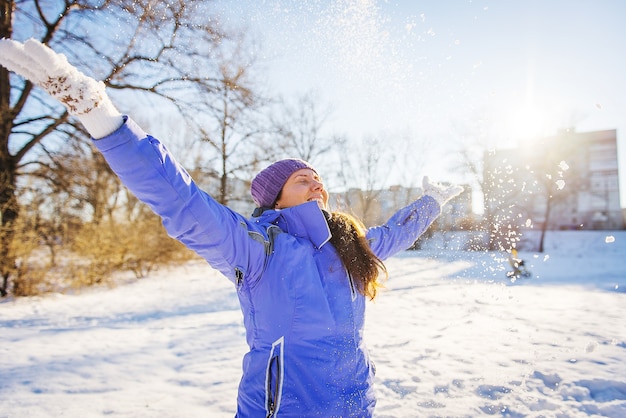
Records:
x=403, y=228
x=218, y=234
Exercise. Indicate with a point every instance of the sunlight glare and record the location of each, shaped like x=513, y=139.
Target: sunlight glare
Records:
x=526, y=123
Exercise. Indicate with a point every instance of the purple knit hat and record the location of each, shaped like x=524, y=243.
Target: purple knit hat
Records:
x=266, y=186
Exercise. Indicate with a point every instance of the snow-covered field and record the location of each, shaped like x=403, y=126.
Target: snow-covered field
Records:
x=450, y=336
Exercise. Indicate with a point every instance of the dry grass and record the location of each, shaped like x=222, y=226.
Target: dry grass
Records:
x=89, y=256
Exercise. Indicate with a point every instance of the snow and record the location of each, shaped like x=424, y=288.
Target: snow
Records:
x=450, y=336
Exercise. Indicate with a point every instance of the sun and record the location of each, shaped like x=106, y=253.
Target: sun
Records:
x=526, y=123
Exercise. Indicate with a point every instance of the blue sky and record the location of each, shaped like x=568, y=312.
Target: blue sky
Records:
x=436, y=68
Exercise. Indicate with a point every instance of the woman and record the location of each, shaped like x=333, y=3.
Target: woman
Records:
x=302, y=274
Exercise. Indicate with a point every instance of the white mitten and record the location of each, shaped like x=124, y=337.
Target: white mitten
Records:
x=439, y=192
x=83, y=96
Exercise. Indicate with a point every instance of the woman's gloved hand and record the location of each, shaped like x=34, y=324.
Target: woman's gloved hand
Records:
x=83, y=96
x=442, y=194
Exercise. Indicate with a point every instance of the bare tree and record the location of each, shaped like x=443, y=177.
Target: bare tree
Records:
x=233, y=125
x=79, y=175
x=551, y=174
x=365, y=168
x=524, y=187
x=300, y=126
x=164, y=49
x=473, y=146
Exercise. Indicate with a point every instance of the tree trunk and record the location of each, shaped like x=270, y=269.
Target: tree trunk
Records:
x=8, y=206
x=544, y=227
x=8, y=216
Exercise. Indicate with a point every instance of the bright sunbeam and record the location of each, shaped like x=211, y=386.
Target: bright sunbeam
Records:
x=526, y=122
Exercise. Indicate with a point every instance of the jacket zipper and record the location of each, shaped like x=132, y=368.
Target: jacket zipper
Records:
x=274, y=379
x=352, y=288
x=272, y=386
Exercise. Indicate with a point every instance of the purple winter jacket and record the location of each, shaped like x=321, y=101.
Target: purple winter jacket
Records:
x=304, y=319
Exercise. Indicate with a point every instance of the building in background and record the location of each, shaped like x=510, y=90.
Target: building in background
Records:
x=566, y=181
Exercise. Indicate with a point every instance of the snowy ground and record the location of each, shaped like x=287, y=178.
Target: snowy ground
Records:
x=451, y=336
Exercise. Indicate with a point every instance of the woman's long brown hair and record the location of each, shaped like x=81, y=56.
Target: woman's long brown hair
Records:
x=348, y=238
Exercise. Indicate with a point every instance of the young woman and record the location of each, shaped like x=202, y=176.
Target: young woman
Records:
x=302, y=274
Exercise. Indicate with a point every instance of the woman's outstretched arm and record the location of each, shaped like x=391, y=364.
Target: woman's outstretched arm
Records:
x=143, y=163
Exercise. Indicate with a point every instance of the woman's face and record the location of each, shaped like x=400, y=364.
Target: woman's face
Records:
x=302, y=186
